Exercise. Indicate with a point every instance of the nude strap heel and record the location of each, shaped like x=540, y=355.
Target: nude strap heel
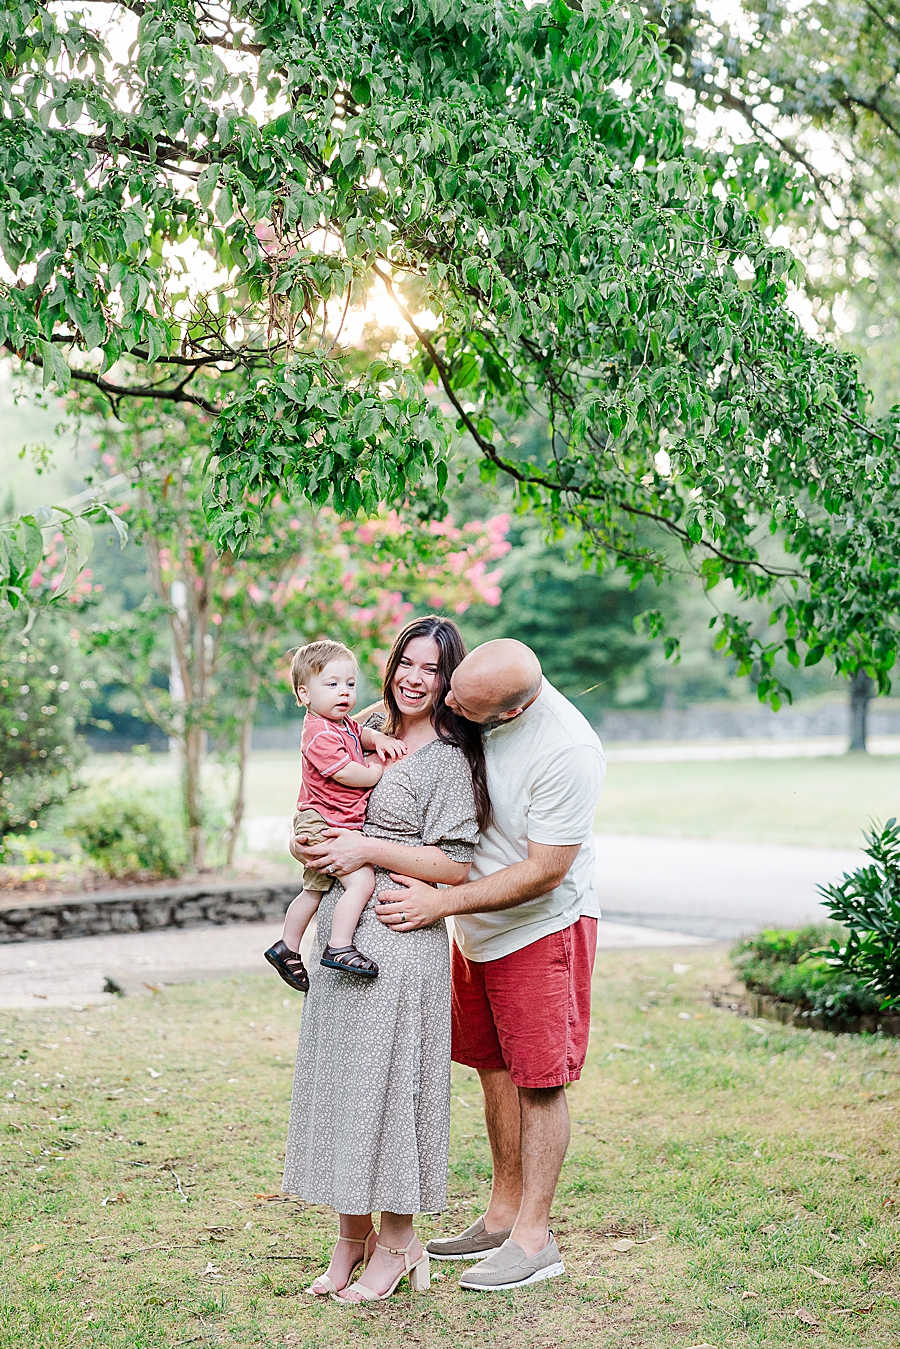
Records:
x=419, y=1272
x=420, y=1275
x=328, y=1284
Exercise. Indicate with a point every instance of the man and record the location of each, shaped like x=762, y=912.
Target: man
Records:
x=526, y=935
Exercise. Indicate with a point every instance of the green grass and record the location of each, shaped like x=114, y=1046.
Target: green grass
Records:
x=826, y=802
x=737, y=1157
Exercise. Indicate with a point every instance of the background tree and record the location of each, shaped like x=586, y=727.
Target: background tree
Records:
x=515, y=178
x=798, y=111
x=210, y=637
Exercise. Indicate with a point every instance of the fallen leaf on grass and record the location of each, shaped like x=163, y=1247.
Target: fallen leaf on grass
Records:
x=834, y=1156
x=119, y=1198
x=823, y=1278
x=624, y=1245
x=701, y=1346
x=212, y=1271
x=747, y=1295
x=33, y=1250
x=807, y=1317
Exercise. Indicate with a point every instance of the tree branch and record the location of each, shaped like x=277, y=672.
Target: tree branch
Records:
x=489, y=450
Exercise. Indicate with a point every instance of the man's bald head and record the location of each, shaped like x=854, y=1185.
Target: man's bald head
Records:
x=495, y=682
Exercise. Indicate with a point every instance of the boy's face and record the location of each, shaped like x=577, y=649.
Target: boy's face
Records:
x=332, y=692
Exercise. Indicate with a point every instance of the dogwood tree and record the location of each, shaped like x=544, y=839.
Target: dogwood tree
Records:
x=213, y=634
x=194, y=197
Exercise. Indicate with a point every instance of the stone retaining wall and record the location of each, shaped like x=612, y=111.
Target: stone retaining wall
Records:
x=142, y=909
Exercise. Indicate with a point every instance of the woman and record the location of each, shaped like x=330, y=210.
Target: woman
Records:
x=370, y=1114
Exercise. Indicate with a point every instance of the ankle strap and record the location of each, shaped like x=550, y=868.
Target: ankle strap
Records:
x=392, y=1250
x=360, y=1241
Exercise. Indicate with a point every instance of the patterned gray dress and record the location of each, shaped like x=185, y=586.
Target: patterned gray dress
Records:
x=370, y=1114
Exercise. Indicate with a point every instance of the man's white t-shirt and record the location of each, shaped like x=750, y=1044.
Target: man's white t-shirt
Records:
x=545, y=772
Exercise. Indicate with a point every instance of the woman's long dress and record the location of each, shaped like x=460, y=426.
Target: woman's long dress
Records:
x=370, y=1114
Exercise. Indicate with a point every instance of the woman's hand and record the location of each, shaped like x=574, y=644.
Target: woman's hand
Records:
x=346, y=850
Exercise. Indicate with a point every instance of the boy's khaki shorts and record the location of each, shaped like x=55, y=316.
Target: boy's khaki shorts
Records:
x=312, y=825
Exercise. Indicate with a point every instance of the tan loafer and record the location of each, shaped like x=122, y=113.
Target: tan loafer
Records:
x=510, y=1267
x=472, y=1244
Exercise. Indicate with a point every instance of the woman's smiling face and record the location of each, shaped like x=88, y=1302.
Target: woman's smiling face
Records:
x=415, y=684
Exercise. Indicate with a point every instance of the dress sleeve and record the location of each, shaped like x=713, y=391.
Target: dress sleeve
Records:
x=446, y=802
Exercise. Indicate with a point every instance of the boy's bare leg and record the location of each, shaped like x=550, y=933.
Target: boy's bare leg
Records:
x=358, y=887
x=300, y=914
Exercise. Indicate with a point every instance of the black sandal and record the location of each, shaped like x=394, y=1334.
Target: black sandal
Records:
x=351, y=961
x=289, y=966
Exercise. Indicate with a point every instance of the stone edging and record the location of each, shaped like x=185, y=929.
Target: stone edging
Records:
x=143, y=909
x=789, y=1014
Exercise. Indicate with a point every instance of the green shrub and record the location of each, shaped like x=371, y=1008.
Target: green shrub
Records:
x=123, y=838
x=41, y=702
x=792, y=965
x=786, y=946
x=20, y=850
x=867, y=902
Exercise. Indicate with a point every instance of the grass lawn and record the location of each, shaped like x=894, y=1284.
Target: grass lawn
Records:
x=729, y=1184
x=824, y=802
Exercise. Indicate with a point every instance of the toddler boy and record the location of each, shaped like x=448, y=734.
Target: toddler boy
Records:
x=335, y=787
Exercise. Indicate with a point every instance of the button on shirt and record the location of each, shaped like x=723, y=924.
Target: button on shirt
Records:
x=545, y=772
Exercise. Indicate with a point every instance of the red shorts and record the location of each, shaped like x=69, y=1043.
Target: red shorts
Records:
x=528, y=1012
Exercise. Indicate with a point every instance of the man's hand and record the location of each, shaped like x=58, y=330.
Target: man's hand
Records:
x=416, y=905
x=387, y=747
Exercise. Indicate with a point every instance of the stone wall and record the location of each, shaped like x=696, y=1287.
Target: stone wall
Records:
x=141, y=909
x=713, y=721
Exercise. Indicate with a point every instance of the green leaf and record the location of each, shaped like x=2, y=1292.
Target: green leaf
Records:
x=54, y=366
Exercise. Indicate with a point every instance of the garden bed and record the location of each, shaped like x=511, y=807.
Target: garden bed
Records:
x=789, y=1014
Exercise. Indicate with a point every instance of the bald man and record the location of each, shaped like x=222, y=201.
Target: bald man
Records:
x=525, y=938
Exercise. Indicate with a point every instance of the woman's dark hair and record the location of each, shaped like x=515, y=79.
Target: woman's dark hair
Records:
x=452, y=729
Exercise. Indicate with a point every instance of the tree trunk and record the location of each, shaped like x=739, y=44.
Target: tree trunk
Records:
x=862, y=688
x=237, y=814
x=194, y=746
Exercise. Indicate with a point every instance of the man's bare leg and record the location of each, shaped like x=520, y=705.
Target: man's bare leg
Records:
x=545, y=1138
x=528, y=1130
x=503, y=1117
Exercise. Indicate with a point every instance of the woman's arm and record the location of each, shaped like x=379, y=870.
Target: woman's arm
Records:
x=348, y=850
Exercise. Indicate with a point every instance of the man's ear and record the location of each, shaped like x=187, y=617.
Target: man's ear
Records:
x=513, y=712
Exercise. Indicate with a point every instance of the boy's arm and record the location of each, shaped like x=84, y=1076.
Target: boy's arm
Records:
x=387, y=747
x=359, y=775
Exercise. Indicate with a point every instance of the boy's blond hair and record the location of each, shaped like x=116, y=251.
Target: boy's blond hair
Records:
x=311, y=660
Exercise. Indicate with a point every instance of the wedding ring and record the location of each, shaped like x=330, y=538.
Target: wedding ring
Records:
x=403, y=918
x=330, y=870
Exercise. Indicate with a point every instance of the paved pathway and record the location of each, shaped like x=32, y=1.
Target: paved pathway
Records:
x=80, y=971
x=714, y=889
x=653, y=891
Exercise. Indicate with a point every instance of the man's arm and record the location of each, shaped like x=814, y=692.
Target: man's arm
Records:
x=421, y=905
